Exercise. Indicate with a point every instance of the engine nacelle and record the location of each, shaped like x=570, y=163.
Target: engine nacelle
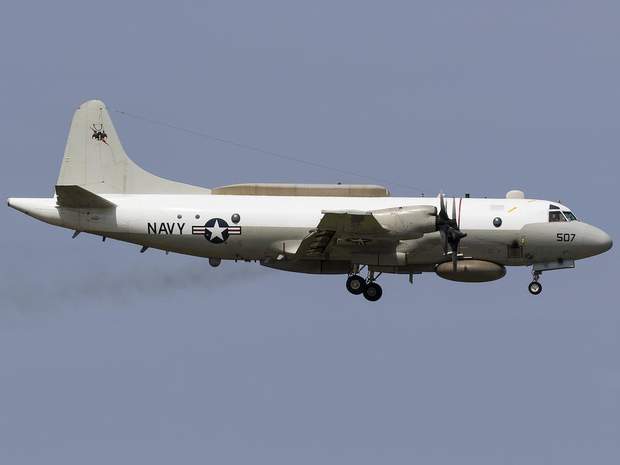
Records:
x=408, y=222
x=471, y=271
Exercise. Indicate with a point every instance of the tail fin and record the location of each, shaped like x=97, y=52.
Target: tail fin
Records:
x=95, y=159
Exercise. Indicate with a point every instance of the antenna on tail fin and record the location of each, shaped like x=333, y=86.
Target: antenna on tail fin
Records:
x=96, y=161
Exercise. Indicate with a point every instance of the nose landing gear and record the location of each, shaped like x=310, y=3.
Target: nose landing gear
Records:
x=357, y=285
x=535, y=287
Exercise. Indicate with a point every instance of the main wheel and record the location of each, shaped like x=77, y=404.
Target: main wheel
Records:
x=535, y=287
x=373, y=292
x=356, y=284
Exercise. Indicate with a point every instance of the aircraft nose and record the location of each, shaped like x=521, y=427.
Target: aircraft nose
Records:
x=598, y=241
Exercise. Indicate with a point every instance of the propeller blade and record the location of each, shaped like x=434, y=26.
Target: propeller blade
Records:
x=454, y=210
x=444, y=241
x=455, y=258
x=449, y=229
x=442, y=207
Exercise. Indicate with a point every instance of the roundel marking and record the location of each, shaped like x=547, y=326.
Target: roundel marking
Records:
x=216, y=230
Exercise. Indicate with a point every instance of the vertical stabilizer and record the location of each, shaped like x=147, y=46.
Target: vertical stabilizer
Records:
x=95, y=159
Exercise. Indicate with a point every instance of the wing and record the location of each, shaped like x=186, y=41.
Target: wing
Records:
x=347, y=230
x=375, y=231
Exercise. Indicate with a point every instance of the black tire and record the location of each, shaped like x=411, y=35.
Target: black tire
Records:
x=373, y=292
x=535, y=288
x=356, y=284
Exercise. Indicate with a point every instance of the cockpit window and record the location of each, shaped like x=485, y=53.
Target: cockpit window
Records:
x=569, y=216
x=553, y=207
x=556, y=216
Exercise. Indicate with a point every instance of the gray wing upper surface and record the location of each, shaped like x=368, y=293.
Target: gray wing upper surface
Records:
x=367, y=231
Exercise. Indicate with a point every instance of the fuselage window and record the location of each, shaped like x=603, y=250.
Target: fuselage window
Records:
x=569, y=216
x=555, y=216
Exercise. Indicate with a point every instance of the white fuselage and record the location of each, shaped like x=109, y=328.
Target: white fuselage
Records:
x=270, y=226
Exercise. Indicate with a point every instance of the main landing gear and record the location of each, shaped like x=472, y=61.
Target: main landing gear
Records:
x=357, y=285
x=535, y=287
x=373, y=292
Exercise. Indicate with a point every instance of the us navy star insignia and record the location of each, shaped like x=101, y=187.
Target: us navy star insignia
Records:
x=216, y=230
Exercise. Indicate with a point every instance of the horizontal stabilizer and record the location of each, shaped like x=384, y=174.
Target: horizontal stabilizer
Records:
x=78, y=197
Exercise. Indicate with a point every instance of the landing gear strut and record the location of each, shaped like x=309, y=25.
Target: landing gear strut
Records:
x=368, y=287
x=535, y=287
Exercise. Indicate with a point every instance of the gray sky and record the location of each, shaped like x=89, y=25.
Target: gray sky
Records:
x=111, y=356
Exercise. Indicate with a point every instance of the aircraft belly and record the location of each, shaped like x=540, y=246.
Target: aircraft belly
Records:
x=490, y=245
x=254, y=243
x=499, y=246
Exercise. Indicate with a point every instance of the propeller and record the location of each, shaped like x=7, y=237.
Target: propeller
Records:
x=449, y=230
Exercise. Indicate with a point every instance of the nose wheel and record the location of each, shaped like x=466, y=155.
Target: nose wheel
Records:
x=535, y=287
x=357, y=285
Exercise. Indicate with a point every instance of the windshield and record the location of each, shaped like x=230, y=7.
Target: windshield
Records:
x=555, y=216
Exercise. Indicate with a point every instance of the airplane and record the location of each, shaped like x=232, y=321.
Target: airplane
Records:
x=308, y=228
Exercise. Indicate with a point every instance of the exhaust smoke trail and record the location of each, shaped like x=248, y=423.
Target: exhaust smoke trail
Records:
x=28, y=291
